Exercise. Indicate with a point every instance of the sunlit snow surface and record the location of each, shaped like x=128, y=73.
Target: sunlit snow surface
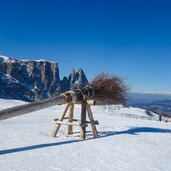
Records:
x=4, y=58
x=123, y=144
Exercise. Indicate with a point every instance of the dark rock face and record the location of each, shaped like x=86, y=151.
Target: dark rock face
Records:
x=35, y=80
x=10, y=88
x=76, y=80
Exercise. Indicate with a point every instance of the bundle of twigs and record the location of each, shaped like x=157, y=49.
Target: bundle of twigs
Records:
x=109, y=89
x=104, y=89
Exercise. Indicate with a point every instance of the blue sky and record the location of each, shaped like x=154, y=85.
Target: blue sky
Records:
x=129, y=38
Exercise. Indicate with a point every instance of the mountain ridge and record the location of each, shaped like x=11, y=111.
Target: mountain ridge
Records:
x=32, y=80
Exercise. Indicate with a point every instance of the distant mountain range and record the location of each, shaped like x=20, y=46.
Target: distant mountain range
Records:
x=156, y=102
x=135, y=98
x=32, y=80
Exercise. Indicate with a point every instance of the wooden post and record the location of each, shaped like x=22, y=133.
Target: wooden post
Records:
x=70, y=119
x=91, y=119
x=83, y=121
x=56, y=129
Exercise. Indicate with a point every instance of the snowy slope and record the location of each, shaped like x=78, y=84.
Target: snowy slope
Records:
x=4, y=58
x=124, y=144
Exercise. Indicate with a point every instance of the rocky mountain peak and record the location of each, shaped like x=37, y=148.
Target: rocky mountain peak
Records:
x=76, y=80
x=32, y=80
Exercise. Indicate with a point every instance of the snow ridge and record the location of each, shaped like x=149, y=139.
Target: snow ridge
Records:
x=4, y=58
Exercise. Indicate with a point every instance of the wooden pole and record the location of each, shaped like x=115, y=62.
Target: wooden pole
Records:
x=70, y=119
x=56, y=129
x=31, y=107
x=66, y=97
x=83, y=121
x=91, y=119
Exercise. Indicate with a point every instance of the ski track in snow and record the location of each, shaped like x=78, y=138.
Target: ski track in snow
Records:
x=123, y=144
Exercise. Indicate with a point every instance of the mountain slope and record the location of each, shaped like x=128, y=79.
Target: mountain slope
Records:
x=124, y=144
x=156, y=102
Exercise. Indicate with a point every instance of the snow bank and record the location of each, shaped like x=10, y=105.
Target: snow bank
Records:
x=123, y=144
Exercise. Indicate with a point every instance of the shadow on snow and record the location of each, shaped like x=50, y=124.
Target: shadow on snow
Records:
x=133, y=131
x=33, y=147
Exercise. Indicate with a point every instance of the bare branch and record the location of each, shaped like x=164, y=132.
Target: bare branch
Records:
x=109, y=89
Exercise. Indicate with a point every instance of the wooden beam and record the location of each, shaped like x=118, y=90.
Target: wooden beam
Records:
x=91, y=119
x=70, y=119
x=31, y=107
x=83, y=121
x=72, y=123
x=92, y=122
x=56, y=129
x=66, y=118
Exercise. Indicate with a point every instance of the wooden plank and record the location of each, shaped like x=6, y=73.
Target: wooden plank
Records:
x=68, y=123
x=67, y=119
x=83, y=121
x=70, y=119
x=56, y=128
x=91, y=119
x=92, y=122
x=71, y=123
x=76, y=120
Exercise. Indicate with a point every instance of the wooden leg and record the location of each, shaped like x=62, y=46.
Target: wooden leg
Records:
x=91, y=119
x=56, y=129
x=83, y=122
x=70, y=120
